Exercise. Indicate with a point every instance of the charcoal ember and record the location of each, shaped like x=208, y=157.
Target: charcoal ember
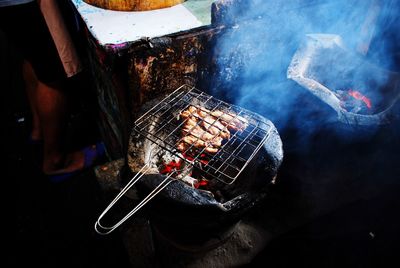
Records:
x=352, y=104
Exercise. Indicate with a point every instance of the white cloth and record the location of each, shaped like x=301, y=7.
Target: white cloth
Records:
x=61, y=37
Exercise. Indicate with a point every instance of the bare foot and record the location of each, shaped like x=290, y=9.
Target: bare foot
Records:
x=74, y=162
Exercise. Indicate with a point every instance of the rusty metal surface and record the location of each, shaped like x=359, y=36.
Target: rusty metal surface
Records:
x=111, y=95
x=130, y=74
x=163, y=64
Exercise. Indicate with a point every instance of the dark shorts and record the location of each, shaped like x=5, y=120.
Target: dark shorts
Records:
x=26, y=29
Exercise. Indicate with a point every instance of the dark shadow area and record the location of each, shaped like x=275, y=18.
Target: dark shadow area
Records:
x=336, y=198
x=52, y=224
x=363, y=233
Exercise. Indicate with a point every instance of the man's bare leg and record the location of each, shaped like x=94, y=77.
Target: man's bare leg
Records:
x=51, y=107
x=31, y=84
x=52, y=111
x=49, y=116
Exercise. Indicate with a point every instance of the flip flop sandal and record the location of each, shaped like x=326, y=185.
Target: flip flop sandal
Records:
x=93, y=154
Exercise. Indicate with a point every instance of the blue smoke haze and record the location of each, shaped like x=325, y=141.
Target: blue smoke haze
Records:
x=252, y=57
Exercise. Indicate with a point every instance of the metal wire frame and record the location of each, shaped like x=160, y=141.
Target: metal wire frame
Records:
x=161, y=125
x=234, y=154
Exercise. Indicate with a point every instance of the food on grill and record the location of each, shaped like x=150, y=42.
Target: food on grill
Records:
x=205, y=129
x=215, y=127
x=190, y=140
x=231, y=121
x=192, y=128
x=189, y=112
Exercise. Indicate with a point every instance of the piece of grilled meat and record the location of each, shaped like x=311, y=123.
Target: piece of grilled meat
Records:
x=205, y=129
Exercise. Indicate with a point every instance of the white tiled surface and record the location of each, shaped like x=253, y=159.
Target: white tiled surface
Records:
x=116, y=27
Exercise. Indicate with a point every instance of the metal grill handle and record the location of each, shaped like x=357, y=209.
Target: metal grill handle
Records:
x=104, y=230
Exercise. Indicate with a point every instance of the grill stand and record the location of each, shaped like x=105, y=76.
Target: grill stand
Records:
x=149, y=246
x=158, y=130
x=217, y=231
